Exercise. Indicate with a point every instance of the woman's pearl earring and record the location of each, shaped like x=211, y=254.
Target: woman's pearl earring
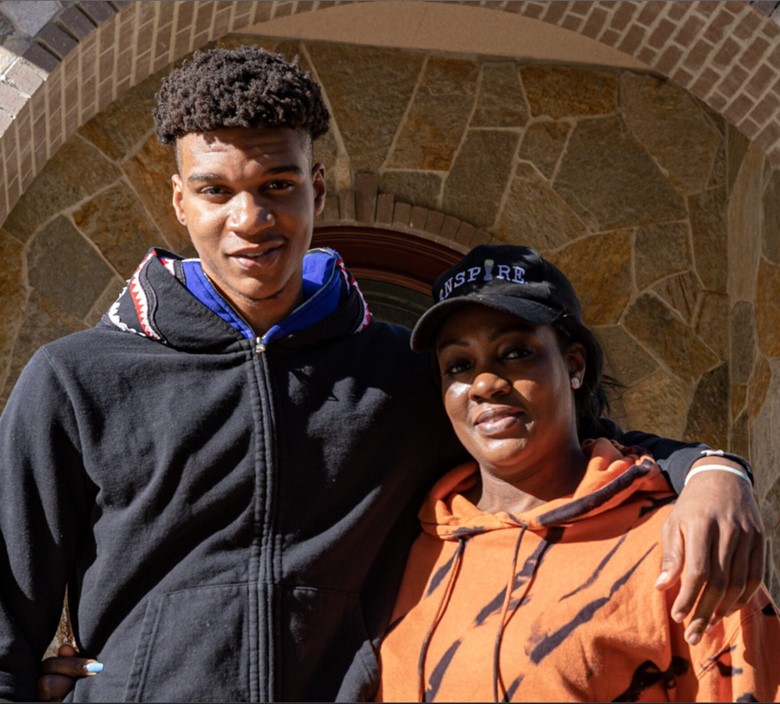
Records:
x=575, y=382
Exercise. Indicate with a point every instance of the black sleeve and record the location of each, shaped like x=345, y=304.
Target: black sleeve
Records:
x=674, y=457
x=40, y=474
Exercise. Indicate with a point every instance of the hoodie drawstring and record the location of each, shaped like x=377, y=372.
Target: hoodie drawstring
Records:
x=504, y=608
x=446, y=593
x=506, y=615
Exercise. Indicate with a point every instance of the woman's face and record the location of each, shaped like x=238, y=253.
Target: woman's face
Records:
x=507, y=389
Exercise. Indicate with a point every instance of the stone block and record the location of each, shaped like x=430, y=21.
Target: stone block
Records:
x=535, y=215
x=104, y=301
x=57, y=256
x=331, y=211
x=326, y=152
x=610, y=181
x=43, y=320
x=758, y=386
x=24, y=77
x=434, y=124
x=479, y=175
x=743, y=342
x=434, y=221
x=739, y=437
x=672, y=342
x=599, y=268
x=708, y=417
x=402, y=213
x=418, y=217
x=122, y=241
x=31, y=17
x=710, y=238
x=347, y=205
x=744, y=224
x=719, y=174
x=11, y=98
x=738, y=402
x=672, y=127
x=767, y=296
x=41, y=57
x=366, y=187
x=712, y=322
x=770, y=231
x=98, y=11
x=416, y=187
x=465, y=233
x=681, y=293
x=381, y=82
x=63, y=182
x=625, y=359
x=564, y=91
x=13, y=297
x=76, y=22
x=149, y=172
x=501, y=101
x=543, y=144
x=56, y=40
x=661, y=250
x=764, y=448
x=658, y=404
x=384, y=208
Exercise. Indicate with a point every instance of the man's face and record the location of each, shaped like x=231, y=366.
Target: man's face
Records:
x=248, y=197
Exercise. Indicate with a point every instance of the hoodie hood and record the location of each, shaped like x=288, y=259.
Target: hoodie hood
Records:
x=613, y=474
x=196, y=316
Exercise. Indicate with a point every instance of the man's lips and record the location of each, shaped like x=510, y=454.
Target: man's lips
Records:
x=260, y=255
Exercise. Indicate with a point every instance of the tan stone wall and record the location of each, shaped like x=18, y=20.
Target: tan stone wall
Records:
x=63, y=61
x=753, y=222
x=664, y=217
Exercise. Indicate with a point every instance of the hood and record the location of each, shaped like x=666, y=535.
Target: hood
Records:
x=169, y=299
x=613, y=474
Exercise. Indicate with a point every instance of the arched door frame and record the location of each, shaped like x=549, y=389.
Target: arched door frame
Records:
x=390, y=256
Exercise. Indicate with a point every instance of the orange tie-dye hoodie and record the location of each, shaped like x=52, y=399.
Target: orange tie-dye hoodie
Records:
x=559, y=603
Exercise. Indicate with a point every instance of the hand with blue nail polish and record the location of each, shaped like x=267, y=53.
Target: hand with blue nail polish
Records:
x=59, y=673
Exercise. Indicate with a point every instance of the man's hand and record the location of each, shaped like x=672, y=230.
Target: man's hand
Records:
x=716, y=532
x=59, y=674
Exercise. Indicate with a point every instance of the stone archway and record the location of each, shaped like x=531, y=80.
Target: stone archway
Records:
x=90, y=53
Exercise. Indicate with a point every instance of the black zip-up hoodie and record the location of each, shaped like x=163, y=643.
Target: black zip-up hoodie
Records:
x=231, y=521
x=232, y=525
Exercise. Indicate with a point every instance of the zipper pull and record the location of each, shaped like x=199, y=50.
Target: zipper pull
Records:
x=259, y=345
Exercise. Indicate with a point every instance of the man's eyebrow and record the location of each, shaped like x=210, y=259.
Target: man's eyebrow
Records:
x=200, y=178
x=285, y=169
x=210, y=176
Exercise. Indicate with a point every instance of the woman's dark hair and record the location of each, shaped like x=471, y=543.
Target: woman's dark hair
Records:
x=242, y=87
x=591, y=399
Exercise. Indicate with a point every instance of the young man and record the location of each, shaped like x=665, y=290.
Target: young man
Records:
x=226, y=470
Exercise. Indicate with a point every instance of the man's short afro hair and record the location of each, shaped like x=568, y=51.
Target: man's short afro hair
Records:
x=242, y=87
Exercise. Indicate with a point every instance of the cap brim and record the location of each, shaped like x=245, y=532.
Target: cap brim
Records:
x=427, y=327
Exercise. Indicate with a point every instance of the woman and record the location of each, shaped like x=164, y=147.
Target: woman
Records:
x=532, y=579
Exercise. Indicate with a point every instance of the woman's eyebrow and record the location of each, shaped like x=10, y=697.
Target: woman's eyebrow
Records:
x=520, y=326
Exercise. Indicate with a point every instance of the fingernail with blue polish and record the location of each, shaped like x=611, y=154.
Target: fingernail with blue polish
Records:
x=93, y=668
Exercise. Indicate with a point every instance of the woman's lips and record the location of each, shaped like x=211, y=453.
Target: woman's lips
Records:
x=498, y=421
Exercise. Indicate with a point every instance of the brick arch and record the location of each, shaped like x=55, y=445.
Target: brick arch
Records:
x=90, y=53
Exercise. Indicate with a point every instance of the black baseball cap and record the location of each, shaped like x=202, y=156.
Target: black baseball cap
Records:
x=509, y=278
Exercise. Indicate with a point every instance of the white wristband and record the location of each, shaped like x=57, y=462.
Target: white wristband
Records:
x=722, y=468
